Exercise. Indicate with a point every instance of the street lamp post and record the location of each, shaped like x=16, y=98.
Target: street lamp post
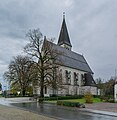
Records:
x=115, y=88
x=5, y=91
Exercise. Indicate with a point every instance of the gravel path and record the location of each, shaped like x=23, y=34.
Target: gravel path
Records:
x=10, y=113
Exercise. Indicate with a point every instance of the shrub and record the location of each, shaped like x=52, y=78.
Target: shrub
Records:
x=104, y=98
x=67, y=103
x=88, y=97
x=111, y=100
x=107, y=98
x=40, y=100
x=96, y=96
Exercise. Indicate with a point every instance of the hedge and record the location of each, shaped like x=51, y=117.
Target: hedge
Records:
x=63, y=97
x=67, y=103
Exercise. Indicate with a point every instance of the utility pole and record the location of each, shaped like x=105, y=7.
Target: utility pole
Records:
x=115, y=75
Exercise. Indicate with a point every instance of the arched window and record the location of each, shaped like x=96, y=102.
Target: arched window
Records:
x=83, y=79
x=68, y=77
x=75, y=78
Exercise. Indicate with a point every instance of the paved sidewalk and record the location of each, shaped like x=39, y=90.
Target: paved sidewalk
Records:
x=11, y=113
x=109, y=109
x=7, y=101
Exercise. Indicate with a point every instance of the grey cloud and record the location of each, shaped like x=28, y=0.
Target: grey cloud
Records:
x=92, y=27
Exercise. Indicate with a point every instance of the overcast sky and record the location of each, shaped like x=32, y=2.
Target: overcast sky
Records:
x=92, y=26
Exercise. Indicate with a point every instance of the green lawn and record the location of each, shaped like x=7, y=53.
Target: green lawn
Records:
x=51, y=101
x=95, y=100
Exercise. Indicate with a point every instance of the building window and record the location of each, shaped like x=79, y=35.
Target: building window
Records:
x=75, y=78
x=68, y=77
x=83, y=79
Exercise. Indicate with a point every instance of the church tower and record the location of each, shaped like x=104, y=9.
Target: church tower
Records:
x=64, y=39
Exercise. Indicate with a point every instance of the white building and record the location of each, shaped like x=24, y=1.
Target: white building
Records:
x=115, y=92
x=76, y=74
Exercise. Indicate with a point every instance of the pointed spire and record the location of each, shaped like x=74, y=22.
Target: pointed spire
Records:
x=64, y=36
x=63, y=15
x=44, y=37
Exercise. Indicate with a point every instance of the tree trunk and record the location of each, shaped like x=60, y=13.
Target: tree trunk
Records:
x=23, y=92
x=42, y=85
x=41, y=91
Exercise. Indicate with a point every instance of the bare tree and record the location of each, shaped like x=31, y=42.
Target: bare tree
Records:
x=106, y=87
x=45, y=58
x=20, y=73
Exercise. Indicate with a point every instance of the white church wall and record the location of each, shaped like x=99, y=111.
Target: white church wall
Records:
x=91, y=89
x=36, y=90
x=115, y=92
x=63, y=91
x=72, y=74
x=71, y=89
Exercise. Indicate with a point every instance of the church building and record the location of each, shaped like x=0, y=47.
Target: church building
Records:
x=77, y=75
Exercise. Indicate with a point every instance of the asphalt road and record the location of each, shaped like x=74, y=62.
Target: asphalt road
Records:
x=62, y=113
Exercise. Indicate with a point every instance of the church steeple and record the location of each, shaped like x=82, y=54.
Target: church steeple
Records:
x=64, y=39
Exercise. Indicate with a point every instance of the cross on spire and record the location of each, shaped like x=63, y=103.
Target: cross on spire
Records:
x=63, y=15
